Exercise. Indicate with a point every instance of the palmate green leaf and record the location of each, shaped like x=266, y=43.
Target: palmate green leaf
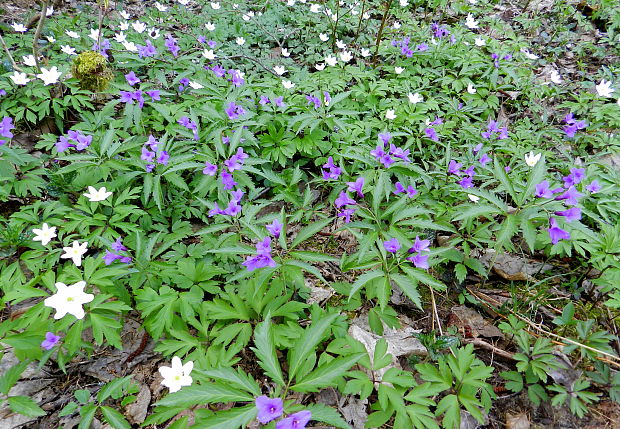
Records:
x=87, y=414
x=265, y=351
x=424, y=277
x=363, y=279
x=451, y=410
x=229, y=419
x=114, y=388
x=308, y=342
x=409, y=288
x=206, y=393
x=114, y=418
x=506, y=231
x=107, y=327
x=25, y=406
x=324, y=414
x=306, y=267
x=326, y=375
x=10, y=377
x=537, y=175
x=477, y=210
x=236, y=377
x=310, y=230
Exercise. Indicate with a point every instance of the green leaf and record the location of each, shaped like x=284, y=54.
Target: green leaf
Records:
x=363, y=279
x=326, y=375
x=477, y=210
x=10, y=377
x=229, y=419
x=206, y=393
x=25, y=406
x=425, y=278
x=537, y=174
x=237, y=378
x=114, y=418
x=310, y=230
x=409, y=288
x=324, y=414
x=113, y=388
x=265, y=351
x=87, y=413
x=308, y=341
x=507, y=230
x=450, y=406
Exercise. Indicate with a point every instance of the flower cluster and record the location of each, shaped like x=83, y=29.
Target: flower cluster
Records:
x=263, y=256
x=573, y=125
x=270, y=409
x=81, y=141
x=330, y=170
x=6, y=125
x=234, y=111
x=497, y=58
x=494, y=131
x=417, y=258
x=128, y=97
x=189, y=124
x=150, y=155
x=387, y=158
x=114, y=253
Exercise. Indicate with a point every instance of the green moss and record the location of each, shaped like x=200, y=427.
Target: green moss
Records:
x=91, y=69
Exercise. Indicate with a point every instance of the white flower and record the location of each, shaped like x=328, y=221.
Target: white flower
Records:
x=365, y=52
x=290, y=3
x=319, y=66
x=280, y=70
x=396, y=25
x=471, y=89
x=415, y=98
x=248, y=16
x=72, y=34
x=324, y=37
x=160, y=7
x=340, y=44
x=531, y=159
x=346, y=56
x=50, y=76
x=240, y=41
x=285, y=52
x=29, y=60
x=555, y=77
x=618, y=101
x=604, y=89
x=130, y=46
x=390, y=114
x=123, y=26
x=215, y=5
x=67, y=50
x=69, y=299
x=124, y=14
x=183, y=2
x=19, y=78
x=315, y=8
x=177, y=375
x=479, y=41
x=287, y=84
x=75, y=252
x=45, y=234
x=470, y=22
x=195, y=85
x=399, y=70
x=528, y=54
x=97, y=195
x=355, y=12
x=331, y=61
x=209, y=54
x=472, y=1
x=235, y=5
x=154, y=33
x=120, y=37
x=49, y=11
x=210, y=26
x=404, y=3
x=94, y=34
x=138, y=27
x=474, y=198
x=366, y=15
x=20, y=28
x=50, y=39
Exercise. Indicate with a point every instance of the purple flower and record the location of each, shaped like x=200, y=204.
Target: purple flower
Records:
x=132, y=79
x=63, y=144
x=357, y=186
x=117, y=246
x=419, y=260
x=411, y=191
x=154, y=94
x=385, y=137
x=477, y=149
x=268, y=409
x=234, y=111
x=210, y=169
x=470, y=171
x=147, y=50
x=431, y=134
x=137, y=95
x=574, y=213
x=233, y=208
x=163, y=158
x=422, y=47
x=575, y=177
x=279, y=101
x=493, y=129
x=420, y=245
x=274, y=228
x=235, y=77
x=399, y=153
x=454, y=168
x=391, y=245
x=593, y=187
x=346, y=214
x=295, y=421
x=542, y=190
x=227, y=180
x=126, y=97
x=110, y=257
x=484, y=159
x=466, y=182
x=263, y=257
x=264, y=100
x=556, y=233
x=218, y=71
x=344, y=200
x=399, y=188
x=147, y=155
x=6, y=125
x=50, y=341
x=570, y=196
x=436, y=121
x=378, y=152
x=313, y=99
x=171, y=44
x=333, y=172
x=215, y=210
x=386, y=160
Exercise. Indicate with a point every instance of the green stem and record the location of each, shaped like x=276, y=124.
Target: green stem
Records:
x=380, y=33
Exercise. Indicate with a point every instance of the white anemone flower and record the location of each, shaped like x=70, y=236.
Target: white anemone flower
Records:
x=390, y=114
x=331, y=61
x=470, y=22
x=49, y=77
x=69, y=299
x=471, y=88
x=531, y=159
x=604, y=89
x=72, y=34
x=415, y=98
x=75, y=252
x=177, y=375
x=45, y=234
x=19, y=78
x=29, y=60
x=288, y=84
x=100, y=194
x=280, y=70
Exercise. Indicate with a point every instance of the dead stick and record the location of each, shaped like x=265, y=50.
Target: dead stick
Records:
x=37, y=34
x=481, y=343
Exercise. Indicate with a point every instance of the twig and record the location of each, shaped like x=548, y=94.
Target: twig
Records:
x=481, y=343
x=37, y=33
x=380, y=34
x=8, y=53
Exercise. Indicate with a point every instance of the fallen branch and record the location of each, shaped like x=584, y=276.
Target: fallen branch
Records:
x=477, y=342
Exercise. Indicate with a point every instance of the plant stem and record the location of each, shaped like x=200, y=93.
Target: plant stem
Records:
x=37, y=34
x=380, y=33
x=8, y=53
x=359, y=23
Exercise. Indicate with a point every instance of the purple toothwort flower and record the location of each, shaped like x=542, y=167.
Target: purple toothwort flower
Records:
x=132, y=79
x=431, y=134
x=454, y=168
x=356, y=186
x=117, y=246
x=575, y=177
x=234, y=111
x=346, y=214
x=484, y=159
x=572, y=125
x=110, y=257
x=420, y=245
x=542, y=190
x=411, y=191
x=148, y=50
x=171, y=44
x=210, y=169
x=574, y=213
x=274, y=228
x=399, y=188
x=330, y=170
x=556, y=233
x=570, y=196
x=466, y=182
x=593, y=187
x=391, y=245
x=344, y=200
x=227, y=180
x=295, y=421
x=263, y=257
x=419, y=260
x=268, y=409
x=50, y=341
x=385, y=138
